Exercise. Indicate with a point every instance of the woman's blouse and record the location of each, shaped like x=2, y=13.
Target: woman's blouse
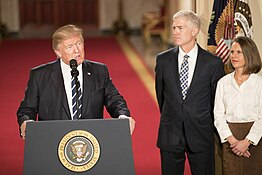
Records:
x=239, y=104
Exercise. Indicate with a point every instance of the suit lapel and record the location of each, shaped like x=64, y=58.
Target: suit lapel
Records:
x=59, y=86
x=87, y=84
x=176, y=71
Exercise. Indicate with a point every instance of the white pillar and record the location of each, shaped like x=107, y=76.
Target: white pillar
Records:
x=10, y=14
x=186, y=5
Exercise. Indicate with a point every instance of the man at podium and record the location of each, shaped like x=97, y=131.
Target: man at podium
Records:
x=71, y=87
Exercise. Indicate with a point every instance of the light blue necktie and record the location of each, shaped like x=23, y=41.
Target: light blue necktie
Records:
x=184, y=76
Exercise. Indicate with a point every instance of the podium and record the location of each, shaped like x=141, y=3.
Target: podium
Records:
x=94, y=146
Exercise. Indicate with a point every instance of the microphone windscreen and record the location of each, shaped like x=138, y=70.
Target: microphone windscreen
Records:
x=73, y=64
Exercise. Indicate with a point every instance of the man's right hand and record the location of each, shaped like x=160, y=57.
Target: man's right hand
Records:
x=23, y=128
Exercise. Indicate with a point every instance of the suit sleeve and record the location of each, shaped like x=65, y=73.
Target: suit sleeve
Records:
x=159, y=84
x=114, y=102
x=29, y=105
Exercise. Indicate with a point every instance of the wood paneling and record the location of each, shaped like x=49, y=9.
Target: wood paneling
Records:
x=58, y=12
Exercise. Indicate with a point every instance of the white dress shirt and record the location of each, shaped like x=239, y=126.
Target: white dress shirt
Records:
x=191, y=61
x=239, y=104
x=66, y=71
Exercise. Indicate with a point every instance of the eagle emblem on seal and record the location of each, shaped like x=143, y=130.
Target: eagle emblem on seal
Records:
x=79, y=150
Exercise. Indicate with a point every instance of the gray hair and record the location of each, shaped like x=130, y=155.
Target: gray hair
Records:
x=189, y=16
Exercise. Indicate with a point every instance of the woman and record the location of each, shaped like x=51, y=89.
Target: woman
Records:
x=238, y=110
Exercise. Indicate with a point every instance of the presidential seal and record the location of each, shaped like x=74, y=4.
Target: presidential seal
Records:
x=78, y=151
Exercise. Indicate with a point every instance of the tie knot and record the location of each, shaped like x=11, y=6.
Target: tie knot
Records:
x=186, y=57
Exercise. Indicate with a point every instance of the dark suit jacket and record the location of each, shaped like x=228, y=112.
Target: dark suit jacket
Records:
x=45, y=94
x=196, y=111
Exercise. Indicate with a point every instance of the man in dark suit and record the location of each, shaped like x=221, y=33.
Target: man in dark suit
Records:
x=53, y=94
x=186, y=78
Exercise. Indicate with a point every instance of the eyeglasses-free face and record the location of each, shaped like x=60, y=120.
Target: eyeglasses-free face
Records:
x=71, y=48
x=236, y=56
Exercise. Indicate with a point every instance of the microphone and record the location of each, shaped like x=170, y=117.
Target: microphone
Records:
x=73, y=65
x=75, y=73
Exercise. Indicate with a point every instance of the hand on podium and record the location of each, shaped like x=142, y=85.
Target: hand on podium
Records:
x=23, y=128
x=131, y=122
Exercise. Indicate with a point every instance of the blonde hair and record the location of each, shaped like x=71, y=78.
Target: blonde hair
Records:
x=64, y=33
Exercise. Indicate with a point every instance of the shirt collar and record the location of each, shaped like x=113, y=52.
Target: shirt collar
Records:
x=192, y=53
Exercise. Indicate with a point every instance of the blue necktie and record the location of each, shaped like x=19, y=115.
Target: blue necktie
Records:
x=76, y=99
x=184, y=76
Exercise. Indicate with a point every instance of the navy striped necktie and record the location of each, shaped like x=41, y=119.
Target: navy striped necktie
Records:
x=184, y=71
x=76, y=99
